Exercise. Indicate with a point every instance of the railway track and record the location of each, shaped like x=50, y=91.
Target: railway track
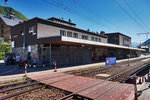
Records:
x=121, y=73
x=29, y=89
x=20, y=87
x=121, y=77
x=110, y=70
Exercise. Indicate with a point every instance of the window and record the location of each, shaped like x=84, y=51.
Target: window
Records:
x=69, y=34
x=32, y=30
x=21, y=32
x=96, y=39
x=99, y=39
x=75, y=35
x=84, y=37
x=92, y=38
x=62, y=33
x=126, y=39
x=2, y=32
x=2, y=26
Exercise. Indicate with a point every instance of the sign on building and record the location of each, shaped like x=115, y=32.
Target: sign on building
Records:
x=110, y=61
x=29, y=48
x=13, y=44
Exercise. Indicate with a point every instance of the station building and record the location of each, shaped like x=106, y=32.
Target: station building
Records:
x=6, y=22
x=58, y=40
x=119, y=39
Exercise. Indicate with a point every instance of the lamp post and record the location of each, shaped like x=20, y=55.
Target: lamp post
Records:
x=24, y=41
x=128, y=56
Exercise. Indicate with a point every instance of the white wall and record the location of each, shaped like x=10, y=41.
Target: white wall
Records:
x=48, y=31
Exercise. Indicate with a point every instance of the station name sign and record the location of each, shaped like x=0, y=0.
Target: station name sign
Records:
x=110, y=61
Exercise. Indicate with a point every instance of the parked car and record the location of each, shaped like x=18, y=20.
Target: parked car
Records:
x=10, y=59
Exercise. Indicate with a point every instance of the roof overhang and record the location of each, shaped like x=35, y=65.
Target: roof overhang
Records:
x=68, y=39
x=81, y=41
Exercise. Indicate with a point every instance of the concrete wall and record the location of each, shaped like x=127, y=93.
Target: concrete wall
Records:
x=48, y=31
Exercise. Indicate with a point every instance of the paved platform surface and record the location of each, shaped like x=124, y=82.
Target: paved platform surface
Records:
x=144, y=90
x=73, y=83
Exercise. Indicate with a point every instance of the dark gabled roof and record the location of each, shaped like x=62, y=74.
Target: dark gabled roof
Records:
x=117, y=33
x=10, y=21
x=60, y=20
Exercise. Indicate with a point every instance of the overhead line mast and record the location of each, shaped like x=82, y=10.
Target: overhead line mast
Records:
x=147, y=33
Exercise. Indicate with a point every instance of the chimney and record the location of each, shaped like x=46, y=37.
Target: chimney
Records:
x=12, y=15
x=69, y=20
x=102, y=32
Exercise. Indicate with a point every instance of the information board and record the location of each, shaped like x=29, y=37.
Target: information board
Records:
x=110, y=61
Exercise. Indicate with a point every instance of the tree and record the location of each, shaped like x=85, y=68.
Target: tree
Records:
x=4, y=48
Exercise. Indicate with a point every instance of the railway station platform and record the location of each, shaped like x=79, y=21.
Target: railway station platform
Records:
x=86, y=87
x=20, y=76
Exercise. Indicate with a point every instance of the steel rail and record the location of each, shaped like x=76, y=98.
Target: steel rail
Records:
x=17, y=87
x=140, y=70
x=26, y=85
x=21, y=92
x=17, y=83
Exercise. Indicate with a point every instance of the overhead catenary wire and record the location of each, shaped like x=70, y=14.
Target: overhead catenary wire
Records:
x=62, y=6
x=99, y=16
x=138, y=17
x=124, y=10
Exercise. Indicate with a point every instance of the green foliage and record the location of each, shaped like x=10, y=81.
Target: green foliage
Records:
x=4, y=48
x=6, y=10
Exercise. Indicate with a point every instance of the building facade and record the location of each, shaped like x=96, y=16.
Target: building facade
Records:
x=58, y=40
x=119, y=39
x=6, y=22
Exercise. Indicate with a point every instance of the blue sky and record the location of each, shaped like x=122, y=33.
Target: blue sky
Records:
x=106, y=14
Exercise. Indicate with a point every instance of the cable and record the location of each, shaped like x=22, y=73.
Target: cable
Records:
x=130, y=16
x=99, y=16
x=135, y=14
x=55, y=3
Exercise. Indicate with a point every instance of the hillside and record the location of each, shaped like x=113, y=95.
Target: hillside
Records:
x=6, y=10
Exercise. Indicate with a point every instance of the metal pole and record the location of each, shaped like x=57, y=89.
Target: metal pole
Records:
x=135, y=89
x=128, y=56
x=24, y=42
x=50, y=55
